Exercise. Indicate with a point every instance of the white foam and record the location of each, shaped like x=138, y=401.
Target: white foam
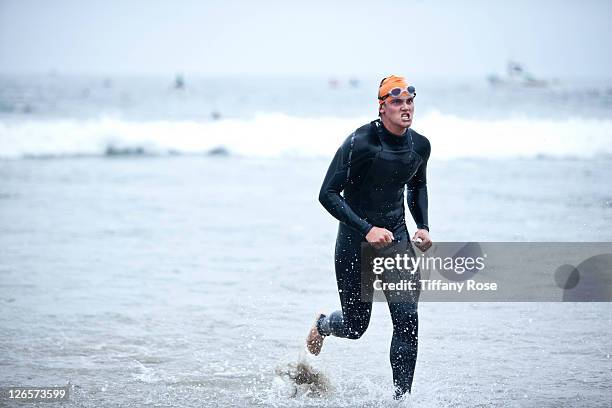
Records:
x=278, y=135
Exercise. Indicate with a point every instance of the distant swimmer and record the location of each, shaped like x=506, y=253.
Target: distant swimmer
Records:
x=333, y=83
x=372, y=168
x=179, y=82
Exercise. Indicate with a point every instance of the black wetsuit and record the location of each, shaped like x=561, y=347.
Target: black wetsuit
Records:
x=373, y=168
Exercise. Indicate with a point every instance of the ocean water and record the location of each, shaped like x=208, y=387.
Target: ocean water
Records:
x=152, y=255
x=57, y=115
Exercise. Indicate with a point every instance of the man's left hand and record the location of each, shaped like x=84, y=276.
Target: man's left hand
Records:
x=422, y=240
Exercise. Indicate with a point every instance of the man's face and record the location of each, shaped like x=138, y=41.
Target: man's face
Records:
x=398, y=111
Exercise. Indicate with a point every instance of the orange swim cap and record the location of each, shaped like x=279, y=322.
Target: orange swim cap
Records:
x=389, y=83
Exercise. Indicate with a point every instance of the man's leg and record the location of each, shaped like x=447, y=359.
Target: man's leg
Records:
x=403, y=306
x=404, y=345
x=353, y=320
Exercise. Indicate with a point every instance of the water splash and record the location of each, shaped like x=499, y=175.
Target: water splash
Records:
x=304, y=380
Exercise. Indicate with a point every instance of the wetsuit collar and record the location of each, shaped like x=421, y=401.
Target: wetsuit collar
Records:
x=389, y=137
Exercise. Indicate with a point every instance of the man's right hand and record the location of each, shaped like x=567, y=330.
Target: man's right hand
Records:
x=378, y=235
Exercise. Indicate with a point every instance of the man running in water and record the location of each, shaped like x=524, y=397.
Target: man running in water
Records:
x=373, y=167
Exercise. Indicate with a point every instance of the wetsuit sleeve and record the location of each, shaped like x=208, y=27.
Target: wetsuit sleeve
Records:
x=334, y=183
x=417, y=194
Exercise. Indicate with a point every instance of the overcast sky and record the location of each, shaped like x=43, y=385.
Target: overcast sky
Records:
x=559, y=38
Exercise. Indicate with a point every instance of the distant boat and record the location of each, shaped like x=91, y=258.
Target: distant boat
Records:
x=517, y=76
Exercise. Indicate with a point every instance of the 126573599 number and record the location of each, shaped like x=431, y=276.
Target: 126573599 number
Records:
x=25, y=394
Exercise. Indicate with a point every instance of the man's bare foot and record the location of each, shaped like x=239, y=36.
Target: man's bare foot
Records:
x=314, y=341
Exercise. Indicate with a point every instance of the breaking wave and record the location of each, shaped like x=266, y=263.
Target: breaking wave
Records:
x=278, y=135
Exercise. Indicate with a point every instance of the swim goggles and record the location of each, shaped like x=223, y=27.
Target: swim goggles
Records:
x=396, y=92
